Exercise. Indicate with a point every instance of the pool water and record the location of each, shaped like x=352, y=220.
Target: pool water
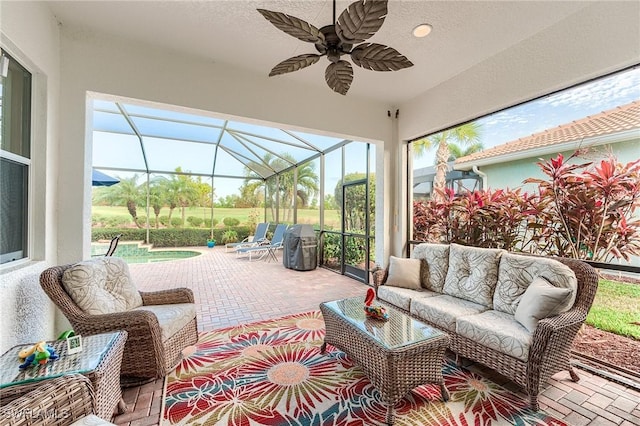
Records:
x=135, y=253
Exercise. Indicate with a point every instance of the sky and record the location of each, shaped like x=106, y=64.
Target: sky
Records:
x=495, y=129
x=554, y=110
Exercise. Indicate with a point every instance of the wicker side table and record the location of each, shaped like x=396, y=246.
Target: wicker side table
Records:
x=99, y=361
x=396, y=355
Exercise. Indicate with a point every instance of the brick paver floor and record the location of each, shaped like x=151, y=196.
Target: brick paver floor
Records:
x=230, y=291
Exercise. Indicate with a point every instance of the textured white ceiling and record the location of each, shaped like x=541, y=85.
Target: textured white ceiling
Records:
x=465, y=33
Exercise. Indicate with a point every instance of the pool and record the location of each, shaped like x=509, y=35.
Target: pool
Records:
x=138, y=253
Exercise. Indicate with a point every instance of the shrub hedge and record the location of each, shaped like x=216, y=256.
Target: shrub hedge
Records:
x=167, y=237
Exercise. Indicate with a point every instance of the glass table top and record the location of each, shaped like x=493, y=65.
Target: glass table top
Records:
x=398, y=331
x=94, y=348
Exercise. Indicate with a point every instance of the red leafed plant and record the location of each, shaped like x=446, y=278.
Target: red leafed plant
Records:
x=584, y=211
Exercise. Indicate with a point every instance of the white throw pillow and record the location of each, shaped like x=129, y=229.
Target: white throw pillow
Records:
x=541, y=300
x=404, y=273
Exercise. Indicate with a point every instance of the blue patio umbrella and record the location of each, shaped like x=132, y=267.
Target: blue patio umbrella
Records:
x=101, y=179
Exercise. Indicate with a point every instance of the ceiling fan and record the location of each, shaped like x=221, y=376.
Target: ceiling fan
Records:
x=356, y=24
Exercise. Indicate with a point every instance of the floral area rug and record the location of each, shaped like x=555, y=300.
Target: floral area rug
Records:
x=272, y=373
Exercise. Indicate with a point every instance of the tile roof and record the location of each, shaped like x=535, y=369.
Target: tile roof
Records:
x=625, y=117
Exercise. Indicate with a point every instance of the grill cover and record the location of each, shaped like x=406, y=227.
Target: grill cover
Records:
x=300, y=248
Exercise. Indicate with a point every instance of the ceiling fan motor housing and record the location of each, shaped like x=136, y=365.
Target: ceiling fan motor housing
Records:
x=333, y=45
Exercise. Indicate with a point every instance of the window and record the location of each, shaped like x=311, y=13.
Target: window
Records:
x=488, y=173
x=15, y=158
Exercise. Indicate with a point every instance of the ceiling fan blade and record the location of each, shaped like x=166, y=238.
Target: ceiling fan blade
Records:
x=378, y=57
x=294, y=64
x=293, y=26
x=361, y=20
x=339, y=76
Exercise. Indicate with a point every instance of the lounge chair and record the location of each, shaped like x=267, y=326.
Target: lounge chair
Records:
x=268, y=248
x=258, y=237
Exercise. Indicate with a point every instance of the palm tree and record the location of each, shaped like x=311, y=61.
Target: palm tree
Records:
x=456, y=151
x=157, y=197
x=125, y=193
x=285, y=190
x=180, y=191
x=466, y=134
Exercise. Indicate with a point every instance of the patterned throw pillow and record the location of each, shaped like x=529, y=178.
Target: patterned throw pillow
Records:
x=473, y=273
x=404, y=273
x=101, y=286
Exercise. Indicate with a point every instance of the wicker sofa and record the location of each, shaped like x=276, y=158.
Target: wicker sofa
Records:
x=514, y=313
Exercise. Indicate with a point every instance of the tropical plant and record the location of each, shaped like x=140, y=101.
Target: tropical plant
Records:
x=584, y=211
x=229, y=236
x=587, y=210
x=157, y=198
x=356, y=208
x=281, y=187
x=125, y=193
x=479, y=218
x=457, y=151
x=180, y=191
x=467, y=135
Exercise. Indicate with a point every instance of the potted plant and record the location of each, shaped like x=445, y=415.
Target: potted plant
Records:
x=211, y=243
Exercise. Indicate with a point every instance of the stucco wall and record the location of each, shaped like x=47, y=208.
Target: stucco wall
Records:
x=30, y=34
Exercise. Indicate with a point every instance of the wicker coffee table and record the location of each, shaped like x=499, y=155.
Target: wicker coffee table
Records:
x=99, y=361
x=397, y=355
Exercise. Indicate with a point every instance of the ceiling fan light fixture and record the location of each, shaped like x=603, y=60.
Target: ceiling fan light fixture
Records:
x=422, y=30
x=356, y=24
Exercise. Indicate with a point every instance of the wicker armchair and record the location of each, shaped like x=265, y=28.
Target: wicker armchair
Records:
x=60, y=401
x=551, y=343
x=146, y=355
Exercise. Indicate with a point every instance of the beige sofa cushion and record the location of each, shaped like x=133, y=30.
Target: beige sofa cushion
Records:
x=402, y=297
x=101, y=286
x=435, y=259
x=444, y=310
x=404, y=273
x=496, y=330
x=517, y=272
x=473, y=273
x=171, y=318
x=541, y=300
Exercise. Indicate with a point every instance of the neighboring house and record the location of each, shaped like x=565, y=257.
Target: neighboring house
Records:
x=615, y=131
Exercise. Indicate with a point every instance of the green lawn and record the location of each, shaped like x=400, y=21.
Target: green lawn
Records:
x=304, y=215
x=616, y=308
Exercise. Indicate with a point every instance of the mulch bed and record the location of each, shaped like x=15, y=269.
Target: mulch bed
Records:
x=611, y=348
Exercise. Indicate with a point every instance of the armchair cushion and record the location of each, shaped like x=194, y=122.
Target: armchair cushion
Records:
x=404, y=273
x=171, y=318
x=101, y=286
